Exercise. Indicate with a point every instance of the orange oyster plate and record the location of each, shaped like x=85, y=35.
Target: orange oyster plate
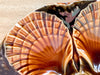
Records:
x=61, y=39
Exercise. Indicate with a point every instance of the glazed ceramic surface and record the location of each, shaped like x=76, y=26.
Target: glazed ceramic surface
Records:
x=59, y=39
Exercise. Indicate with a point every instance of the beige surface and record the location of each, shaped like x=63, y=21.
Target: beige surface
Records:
x=11, y=11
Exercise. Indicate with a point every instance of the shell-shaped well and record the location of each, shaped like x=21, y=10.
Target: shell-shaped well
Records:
x=36, y=44
x=87, y=35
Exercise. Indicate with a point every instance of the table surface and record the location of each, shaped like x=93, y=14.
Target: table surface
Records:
x=11, y=11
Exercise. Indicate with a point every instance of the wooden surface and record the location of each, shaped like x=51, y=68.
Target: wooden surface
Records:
x=11, y=11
